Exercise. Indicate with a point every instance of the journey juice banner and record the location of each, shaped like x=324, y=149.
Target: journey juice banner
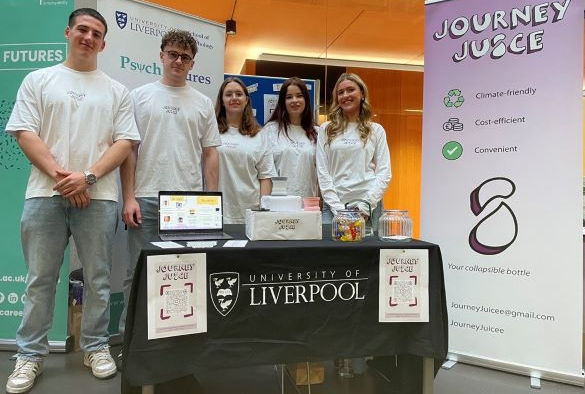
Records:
x=502, y=177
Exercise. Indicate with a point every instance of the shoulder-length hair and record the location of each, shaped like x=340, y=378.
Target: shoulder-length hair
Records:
x=281, y=116
x=338, y=120
x=248, y=126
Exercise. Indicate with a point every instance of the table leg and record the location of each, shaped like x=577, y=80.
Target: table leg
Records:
x=428, y=375
x=308, y=377
x=148, y=389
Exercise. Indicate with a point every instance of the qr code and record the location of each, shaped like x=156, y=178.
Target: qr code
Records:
x=403, y=291
x=176, y=301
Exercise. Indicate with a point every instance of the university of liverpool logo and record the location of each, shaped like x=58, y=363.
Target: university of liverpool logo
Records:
x=224, y=288
x=121, y=19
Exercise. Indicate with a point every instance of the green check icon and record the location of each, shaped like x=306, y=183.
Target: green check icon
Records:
x=452, y=150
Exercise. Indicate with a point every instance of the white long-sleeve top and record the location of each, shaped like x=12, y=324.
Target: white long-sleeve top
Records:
x=294, y=158
x=348, y=170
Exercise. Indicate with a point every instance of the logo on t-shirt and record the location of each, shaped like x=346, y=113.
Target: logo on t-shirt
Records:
x=76, y=96
x=171, y=109
x=350, y=141
x=229, y=144
x=297, y=144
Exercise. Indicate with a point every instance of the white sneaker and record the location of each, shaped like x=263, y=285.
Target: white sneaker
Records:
x=101, y=363
x=24, y=375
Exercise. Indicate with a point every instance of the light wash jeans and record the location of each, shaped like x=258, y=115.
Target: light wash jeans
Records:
x=137, y=238
x=46, y=225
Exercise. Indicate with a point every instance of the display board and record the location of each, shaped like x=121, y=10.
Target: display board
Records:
x=132, y=56
x=502, y=179
x=23, y=50
x=264, y=94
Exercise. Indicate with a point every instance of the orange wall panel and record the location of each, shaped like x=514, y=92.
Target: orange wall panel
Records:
x=396, y=97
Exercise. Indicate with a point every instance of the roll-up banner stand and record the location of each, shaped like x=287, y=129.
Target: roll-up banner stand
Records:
x=132, y=57
x=264, y=94
x=23, y=50
x=502, y=179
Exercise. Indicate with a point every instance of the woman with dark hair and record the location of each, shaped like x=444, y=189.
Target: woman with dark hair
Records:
x=353, y=160
x=293, y=138
x=245, y=159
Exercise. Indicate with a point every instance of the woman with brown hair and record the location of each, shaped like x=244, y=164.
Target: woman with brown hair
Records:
x=293, y=138
x=246, y=164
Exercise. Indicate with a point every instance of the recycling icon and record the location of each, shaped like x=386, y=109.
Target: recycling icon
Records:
x=453, y=99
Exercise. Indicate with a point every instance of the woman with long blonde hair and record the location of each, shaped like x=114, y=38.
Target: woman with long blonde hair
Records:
x=353, y=160
x=246, y=165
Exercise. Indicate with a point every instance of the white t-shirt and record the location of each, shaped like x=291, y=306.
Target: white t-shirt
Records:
x=348, y=170
x=243, y=160
x=294, y=158
x=175, y=124
x=78, y=115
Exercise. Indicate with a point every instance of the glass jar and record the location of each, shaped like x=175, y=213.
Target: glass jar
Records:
x=362, y=205
x=348, y=226
x=395, y=225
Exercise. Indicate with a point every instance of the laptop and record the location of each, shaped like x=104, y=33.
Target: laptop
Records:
x=190, y=216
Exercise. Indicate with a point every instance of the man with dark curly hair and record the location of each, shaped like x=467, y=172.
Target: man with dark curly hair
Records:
x=179, y=135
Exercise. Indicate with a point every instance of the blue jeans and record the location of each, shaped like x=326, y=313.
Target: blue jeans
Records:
x=46, y=225
x=137, y=238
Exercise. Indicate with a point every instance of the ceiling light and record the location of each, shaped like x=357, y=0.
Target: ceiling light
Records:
x=230, y=27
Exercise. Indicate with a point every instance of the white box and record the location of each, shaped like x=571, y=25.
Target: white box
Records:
x=298, y=225
x=281, y=203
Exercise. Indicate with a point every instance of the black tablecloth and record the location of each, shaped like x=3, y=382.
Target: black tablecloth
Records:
x=295, y=328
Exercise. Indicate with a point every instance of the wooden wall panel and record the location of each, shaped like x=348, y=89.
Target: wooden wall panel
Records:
x=396, y=97
x=249, y=67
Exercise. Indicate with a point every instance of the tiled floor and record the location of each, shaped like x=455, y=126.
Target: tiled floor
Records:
x=65, y=374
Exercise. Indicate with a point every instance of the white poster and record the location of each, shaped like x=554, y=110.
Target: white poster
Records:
x=177, y=300
x=404, y=285
x=270, y=101
x=502, y=179
x=133, y=41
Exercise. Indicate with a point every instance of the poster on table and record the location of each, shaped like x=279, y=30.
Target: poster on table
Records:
x=403, y=286
x=23, y=50
x=502, y=178
x=177, y=300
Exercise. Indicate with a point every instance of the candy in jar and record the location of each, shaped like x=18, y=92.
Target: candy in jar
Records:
x=348, y=226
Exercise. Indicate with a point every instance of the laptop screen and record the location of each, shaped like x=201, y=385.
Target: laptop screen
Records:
x=190, y=211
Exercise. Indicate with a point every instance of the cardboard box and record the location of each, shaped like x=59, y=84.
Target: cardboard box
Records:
x=298, y=225
x=75, y=313
x=298, y=372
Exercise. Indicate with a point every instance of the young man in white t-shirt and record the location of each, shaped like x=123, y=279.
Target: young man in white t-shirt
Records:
x=75, y=125
x=179, y=134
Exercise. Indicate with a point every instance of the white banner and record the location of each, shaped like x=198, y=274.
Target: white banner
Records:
x=404, y=285
x=502, y=178
x=133, y=41
x=177, y=296
x=132, y=57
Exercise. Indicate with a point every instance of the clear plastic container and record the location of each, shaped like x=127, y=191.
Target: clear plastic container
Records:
x=311, y=203
x=395, y=225
x=348, y=226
